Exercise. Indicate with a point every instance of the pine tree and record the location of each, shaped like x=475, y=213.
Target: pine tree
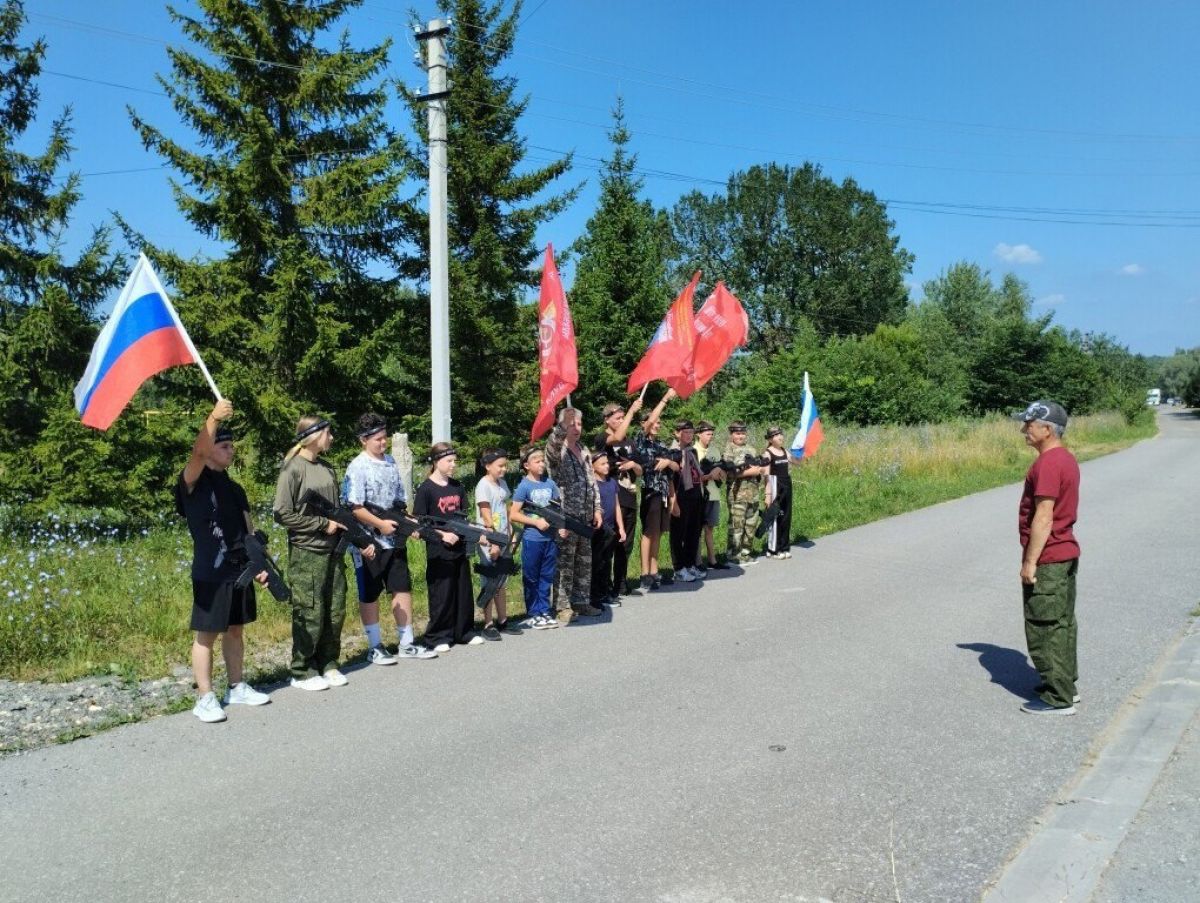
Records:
x=494, y=211
x=46, y=301
x=302, y=185
x=620, y=292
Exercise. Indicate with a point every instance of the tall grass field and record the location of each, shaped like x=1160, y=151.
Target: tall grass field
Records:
x=79, y=598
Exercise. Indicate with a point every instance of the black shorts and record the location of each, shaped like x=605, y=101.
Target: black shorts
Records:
x=656, y=516
x=216, y=606
x=394, y=577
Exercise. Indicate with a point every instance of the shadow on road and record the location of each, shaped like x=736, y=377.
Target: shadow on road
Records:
x=1008, y=667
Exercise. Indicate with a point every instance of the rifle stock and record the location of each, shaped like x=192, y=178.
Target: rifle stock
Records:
x=259, y=560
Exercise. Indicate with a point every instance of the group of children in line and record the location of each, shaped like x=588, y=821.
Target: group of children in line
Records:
x=564, y=574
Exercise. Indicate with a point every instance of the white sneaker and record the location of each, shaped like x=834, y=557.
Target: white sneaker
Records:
x=207, y=708
x=378, y=655
x=314, y=683
x=475, y=640
x=244, y=694
x=685, y=575
x=336, y=678
x=442, y=647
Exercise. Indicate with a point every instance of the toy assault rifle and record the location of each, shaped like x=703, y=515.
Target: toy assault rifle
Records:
x=355, y=533
x=259, y=560
x=733, y=470
x=494, y=574
x=560, y=520
x=426, y=526
x=769, y=516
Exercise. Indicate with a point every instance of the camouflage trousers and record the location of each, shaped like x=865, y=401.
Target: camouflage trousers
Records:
x=744, y=504
x=318, y=582
x=574, y=571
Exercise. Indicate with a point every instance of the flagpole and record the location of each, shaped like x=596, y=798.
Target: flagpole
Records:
x=645, y=386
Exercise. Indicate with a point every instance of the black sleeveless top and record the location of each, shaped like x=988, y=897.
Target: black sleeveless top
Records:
x=780, y=469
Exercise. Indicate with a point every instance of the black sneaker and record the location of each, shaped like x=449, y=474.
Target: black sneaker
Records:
x=509, y=626
x=656, y=581
x=490, y=633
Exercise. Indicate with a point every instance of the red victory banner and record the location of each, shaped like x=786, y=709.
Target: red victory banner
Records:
x=556, y=346
x=669, y=356
x=721, y=328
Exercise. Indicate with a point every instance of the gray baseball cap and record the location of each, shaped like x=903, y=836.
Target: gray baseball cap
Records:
x=1048, y=411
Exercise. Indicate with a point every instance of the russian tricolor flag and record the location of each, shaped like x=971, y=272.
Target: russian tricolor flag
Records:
x=809, y=433
x=142, y=337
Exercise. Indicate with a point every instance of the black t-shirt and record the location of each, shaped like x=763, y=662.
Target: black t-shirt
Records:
x=445, y=501
x=626, y=484
x=216, y=511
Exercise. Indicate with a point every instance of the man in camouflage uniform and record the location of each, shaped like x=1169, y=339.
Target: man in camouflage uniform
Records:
x=570, y=466
x=744, y=496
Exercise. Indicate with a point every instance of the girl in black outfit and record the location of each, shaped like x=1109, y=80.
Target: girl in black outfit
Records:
x=779, y=485
x=451, y=608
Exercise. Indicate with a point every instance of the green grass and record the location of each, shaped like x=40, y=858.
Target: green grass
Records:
x=77, y=600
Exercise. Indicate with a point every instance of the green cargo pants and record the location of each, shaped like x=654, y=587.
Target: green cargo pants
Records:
x=745, y=498
x=318, y=582
x=1051, y=630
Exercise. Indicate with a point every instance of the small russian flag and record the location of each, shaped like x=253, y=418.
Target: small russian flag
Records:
x=809, y=433
x=143, y=336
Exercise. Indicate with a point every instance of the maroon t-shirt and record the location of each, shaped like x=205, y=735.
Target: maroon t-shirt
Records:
x=1054, y=475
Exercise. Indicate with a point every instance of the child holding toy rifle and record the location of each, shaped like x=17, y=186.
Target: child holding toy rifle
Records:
x=614, y=442
x=316, y=569
x=218, y=518
x=491, y=512
x=687, y=511
x=657, y=467
x=451, y=606
x=777, y=516
x=539, y=557
x=373, y=482
x=610, y=537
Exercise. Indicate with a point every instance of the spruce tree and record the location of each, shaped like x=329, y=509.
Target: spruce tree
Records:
x=301, y=183
x=620, y=292
x=495, y=207
x=46, y=300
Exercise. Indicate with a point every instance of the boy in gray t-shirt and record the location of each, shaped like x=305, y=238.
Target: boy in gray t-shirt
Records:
x=372, y=478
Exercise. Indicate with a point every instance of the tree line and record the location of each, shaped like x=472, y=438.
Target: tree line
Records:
x=317, y=299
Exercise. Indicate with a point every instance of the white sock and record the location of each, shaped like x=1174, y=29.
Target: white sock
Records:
x=373, y=636
x=406, y=635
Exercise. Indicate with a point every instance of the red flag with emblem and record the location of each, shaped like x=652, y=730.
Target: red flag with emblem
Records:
x=721, y=328
x=669, y=356
x=556, y=347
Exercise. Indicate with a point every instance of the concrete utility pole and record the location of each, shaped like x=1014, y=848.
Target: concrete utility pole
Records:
x=434, y=39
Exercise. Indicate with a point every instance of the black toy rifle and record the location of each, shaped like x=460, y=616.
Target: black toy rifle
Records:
x=463, y=529
x=354, y=533
x=426, y=526
x=406, y=524
x=769, y=516
x=732, y=470
x=560, y=520
x=259, y=560
x=494, y=574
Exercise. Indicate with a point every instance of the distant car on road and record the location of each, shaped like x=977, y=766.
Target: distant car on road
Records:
x=1154, y=397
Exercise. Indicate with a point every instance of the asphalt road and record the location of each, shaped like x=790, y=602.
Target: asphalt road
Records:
x=843, y=725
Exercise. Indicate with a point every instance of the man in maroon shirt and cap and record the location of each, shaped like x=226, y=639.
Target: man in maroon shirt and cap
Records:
x=1049, y=504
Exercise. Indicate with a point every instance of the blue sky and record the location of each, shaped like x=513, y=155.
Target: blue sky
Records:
x=1068, y=131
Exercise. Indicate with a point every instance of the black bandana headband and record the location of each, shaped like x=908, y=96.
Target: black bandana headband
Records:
x=312, y=430
x=443, y=453
x=493, y=456
x=371, y=431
